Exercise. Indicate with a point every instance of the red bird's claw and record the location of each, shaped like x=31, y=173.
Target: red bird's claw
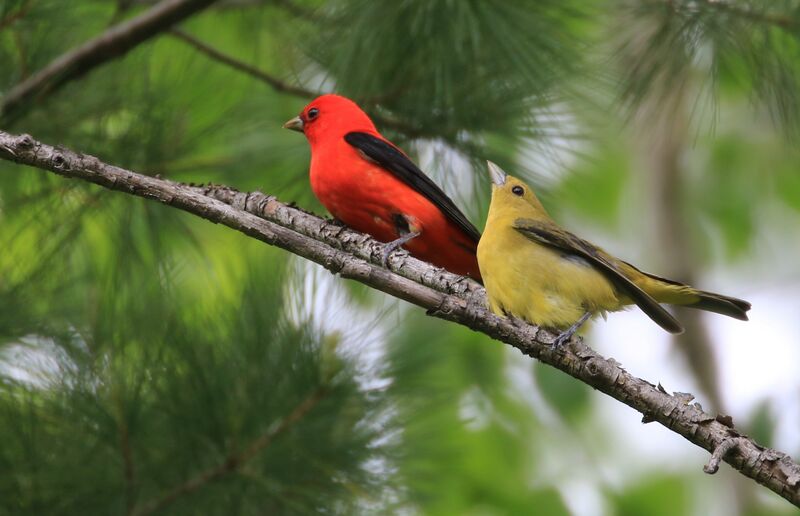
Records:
x=395, y=244
x=385, y=257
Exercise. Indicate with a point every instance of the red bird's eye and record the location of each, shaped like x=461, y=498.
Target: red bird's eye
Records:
x=312, y=113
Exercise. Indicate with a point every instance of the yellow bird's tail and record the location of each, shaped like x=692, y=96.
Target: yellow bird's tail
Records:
x=717, y=303
x=672, y=292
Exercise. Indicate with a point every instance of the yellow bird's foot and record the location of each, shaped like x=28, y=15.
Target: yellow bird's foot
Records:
x=394, y=244
x=567, y=334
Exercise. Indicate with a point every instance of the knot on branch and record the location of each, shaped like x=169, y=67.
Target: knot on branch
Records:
x=601, y=369
x=593, y=367
x=25, y=142
x=59, y=162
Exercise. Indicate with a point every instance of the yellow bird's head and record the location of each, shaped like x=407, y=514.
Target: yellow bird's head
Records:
x=511, y=196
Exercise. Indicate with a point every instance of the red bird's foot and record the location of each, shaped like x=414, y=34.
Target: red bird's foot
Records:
x=394, y=244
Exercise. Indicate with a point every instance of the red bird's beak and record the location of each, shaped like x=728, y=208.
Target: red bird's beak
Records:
x=295, y=124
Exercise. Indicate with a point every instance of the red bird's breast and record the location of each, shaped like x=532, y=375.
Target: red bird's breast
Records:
x=368, y=198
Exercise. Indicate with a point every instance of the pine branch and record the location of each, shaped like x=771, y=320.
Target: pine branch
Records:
x=216, y=55
x=443, y=295
x=113, y=43
x=280, y=86
x=293, y=8
x=235, y=461
x=783, y=21
x=693, y=7
x=223, y=4
x=14, y=16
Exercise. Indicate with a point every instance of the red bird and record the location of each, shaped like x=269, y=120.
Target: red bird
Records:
x=369, y=184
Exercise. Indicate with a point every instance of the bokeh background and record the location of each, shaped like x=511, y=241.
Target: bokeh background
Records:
x=142, y=348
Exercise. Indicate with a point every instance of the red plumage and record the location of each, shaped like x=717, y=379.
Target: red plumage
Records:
x=373, y=187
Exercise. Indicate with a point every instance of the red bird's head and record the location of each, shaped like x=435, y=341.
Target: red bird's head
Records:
x=329, y=117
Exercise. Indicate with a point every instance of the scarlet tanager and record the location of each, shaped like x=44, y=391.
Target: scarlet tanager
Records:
x=369, y=184
x=537, y=271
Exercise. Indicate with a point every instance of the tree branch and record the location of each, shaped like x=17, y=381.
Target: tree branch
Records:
x=291, y=7
x=784, y=21
x=216, y=55
x=278, y=85
x=223, y=4
x=113, y=43
x=443, y=295
x=13, y=16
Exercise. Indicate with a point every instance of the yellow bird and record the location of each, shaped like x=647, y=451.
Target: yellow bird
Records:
x=537, y=271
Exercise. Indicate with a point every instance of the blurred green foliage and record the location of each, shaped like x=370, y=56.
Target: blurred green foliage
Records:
x=656, y=496
x=464, y=449
x=140, y=347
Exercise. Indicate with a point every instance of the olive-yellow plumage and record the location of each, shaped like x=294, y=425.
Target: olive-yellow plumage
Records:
x=537, y=271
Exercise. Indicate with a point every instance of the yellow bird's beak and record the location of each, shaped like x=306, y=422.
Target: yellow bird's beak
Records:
x=497, y=174
x=295, y=124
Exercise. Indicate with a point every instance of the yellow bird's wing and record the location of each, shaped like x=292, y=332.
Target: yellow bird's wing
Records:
x=549, y=234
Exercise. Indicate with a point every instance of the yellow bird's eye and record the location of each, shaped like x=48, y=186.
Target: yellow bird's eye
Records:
x=518, y=190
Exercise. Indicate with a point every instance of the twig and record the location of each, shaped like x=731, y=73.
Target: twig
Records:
x=252, y=71
x=284, y=87
x=783, y=21
x=13, y=17
x=128, y=466
x=256, y=215
x=295, y=9
x=21, y=54
x=290, y=7
x=113, y=43
x=719, y=453
x=234, y=461
x=222, y=4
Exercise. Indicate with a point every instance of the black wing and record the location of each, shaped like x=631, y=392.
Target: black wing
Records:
x=392, y=159
x=547, y=233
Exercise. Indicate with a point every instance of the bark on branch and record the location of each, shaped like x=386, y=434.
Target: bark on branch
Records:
x=113, y=43
x=443, y=295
